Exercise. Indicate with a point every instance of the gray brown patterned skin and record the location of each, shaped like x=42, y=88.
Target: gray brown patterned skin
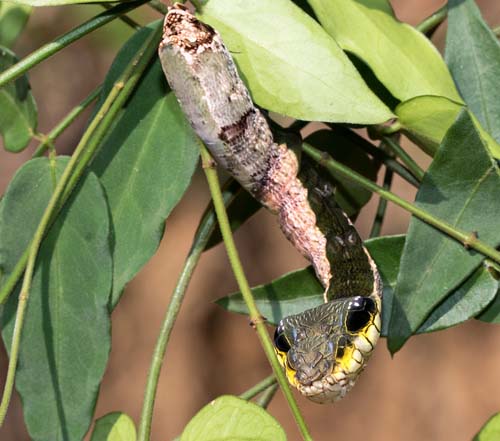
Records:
x=204, y=78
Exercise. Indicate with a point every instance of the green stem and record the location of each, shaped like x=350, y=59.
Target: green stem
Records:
x=261, y=386
x=496, y=31
x=382, y=206
x=468, y=239
x=266, y=397
x=407, y=160
x=205, y=229
x=125, y=18
x=64, y=40
x=158, y=6
x=430, y=23
x=256, y=318
x=66, y=122
x=122, y=89
x=89, y=141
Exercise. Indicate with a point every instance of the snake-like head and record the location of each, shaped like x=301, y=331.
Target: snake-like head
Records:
x=324, y=349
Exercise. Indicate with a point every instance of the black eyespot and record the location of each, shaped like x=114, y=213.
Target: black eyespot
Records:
x=360, y=311
x=340, y=352
x=280, y=340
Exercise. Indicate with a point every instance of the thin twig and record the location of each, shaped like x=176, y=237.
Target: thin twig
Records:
x=202, y=235
x=267, y=396
x=89, y=141
x=125, y=18
x=382, y=205
x=261, y=386
x=65, y=123
x=407, y=160
x=429, y=24
x=256, y=318
x=468, y=239
x=45, y=51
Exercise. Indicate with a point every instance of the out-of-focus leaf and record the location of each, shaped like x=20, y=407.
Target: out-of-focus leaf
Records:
x=115, y=426
x=462, y=186
x=145, y=165
x=345, y=149
x=12, y=20
x=299, y=71
x=473, y=56
x=230, y=418
x=490, y=431
x=402, y=58
x=18, y=114
x=66, y=336
x=426, y=119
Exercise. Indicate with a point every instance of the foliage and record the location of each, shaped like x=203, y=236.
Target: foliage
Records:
x=77, y=230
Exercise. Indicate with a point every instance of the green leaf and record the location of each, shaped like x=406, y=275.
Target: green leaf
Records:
x=468, y=300
x=426, y=119
x=344, y=146
x=402, y=58
x=12, y=21
x=145, y=165
x=18, y=117
x=115, y=426
x=299, y=290
x=299, y=71
x=473, y=56
x=462, y=186
x=229, y=418
x=490, y=431
x=66, y=337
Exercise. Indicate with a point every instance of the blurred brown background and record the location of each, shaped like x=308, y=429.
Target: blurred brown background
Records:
x=440, y=386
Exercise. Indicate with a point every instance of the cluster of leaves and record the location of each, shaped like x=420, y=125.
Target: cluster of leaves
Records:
x=341, y=62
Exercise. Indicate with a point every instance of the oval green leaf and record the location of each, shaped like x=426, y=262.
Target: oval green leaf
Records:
x=13, y=18
x=473, y=56
x=299, y=71
x=18, y=117
x=426, y=119
x=66, y=340
x=490, y=431
x=402, y=58
x=145, y=165
x=230, y=418
x=462, y=185
x=115, y=426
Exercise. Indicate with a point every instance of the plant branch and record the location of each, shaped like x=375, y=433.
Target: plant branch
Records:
x=256, y=318
x=407, y=160
x=122, y=89
x=49, y=139
x=125, y=18
x=267, y=396
x=468, y=239
x=89, y=141
x=382, y=205
x=200, y=240
x=66, y=39
x=261, y=386
x=429, y=24
x=158, y=6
